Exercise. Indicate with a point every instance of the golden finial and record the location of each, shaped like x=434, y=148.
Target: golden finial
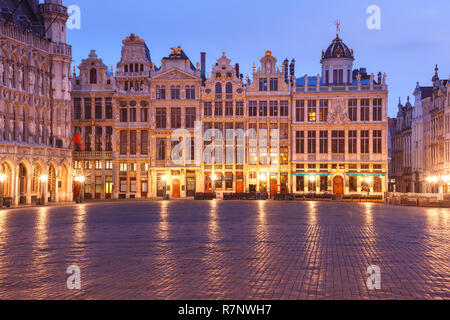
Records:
x=223, y=53
x=268, y=53
x=338, y=28
x=112, y=69
x=198, y=65
x=254, y=67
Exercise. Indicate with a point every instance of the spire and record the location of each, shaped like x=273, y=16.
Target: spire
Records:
x=338, y=28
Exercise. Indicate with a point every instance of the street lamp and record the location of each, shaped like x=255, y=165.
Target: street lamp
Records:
x=164, y=179
x=213, y=179
x=80, y=180
x=2, y=179
x=44, y=179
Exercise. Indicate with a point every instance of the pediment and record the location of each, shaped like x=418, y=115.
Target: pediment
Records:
x=175, y=74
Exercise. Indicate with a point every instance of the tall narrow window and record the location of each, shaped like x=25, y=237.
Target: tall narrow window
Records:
x=300, y=142
x=108, y=108
x=252, y=108
x=377, y=142
x=323, y=142
x=144, y=142
x=98, y=138
x=87, y=108
x=312, y=111
x=365, y=109
x=273, y=84
x=98, y=108
x=365, y=142
x=161, y=145
x=175, y=117
x=311, y=142
x=338, y=142
x=300, y=111
x=229, y=91
x=377, y=109
x=323, y=111
x=240, y=108
x=263, y=108
x=353, y=109
x=352, y=142
x=109, y=132
x=93, y=76
x=262, y=84
x=274, y=108
x=284, y=108
x=77, y=108
x=123, y=141
x=161, y=118
x=218, y=109
x=229, y=108
x=133, y=140
x=207, y=109
x=190, y=118
x=218, y=90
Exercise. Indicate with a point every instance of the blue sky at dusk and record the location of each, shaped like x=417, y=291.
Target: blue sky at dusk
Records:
x=414, y=34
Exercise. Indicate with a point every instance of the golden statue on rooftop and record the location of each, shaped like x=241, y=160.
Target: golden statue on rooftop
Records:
x=176, y=51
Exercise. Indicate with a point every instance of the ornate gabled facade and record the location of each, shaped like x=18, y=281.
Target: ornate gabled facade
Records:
x=401, y=143
x=339, y=128
x=430, y=149
x=176, y=131
x=268, y=103
x=35, y=105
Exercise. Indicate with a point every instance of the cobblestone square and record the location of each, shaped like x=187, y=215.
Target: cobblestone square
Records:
x=225, y=250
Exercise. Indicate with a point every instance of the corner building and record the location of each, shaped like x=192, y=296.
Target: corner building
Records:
x=35, y=103
x=331, y=129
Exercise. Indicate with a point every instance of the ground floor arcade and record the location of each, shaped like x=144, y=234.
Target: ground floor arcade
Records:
x=30, y=175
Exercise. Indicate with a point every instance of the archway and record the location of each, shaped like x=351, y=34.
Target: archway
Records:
x=6, y=187
x=338, y=186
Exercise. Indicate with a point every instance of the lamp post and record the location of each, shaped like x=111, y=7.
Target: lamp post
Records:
x=44, y=179
x=164, y=180
x=368, y=181
x=213, y=181
x=2, y=180
x=80, y=180
x=263, y=179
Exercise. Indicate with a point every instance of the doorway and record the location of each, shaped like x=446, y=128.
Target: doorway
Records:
x=176, y=191
x=338, y=186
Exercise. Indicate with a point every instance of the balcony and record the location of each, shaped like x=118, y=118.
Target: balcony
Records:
x=141, y=74
x=93, y=155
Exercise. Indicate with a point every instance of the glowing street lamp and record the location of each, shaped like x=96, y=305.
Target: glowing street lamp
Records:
x=2, y=179
x=164, y=180
x=80, y=180
x=312, y=179
x=43, y=178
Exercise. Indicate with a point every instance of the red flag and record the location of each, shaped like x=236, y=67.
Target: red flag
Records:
x=77, y=139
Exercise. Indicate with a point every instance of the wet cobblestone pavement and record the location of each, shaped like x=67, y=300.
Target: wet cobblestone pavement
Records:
x=225, y=250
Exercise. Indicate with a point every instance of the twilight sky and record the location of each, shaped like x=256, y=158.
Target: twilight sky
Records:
x=414, y=34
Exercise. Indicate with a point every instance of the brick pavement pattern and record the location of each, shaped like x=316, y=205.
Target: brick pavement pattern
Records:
x=225, y=250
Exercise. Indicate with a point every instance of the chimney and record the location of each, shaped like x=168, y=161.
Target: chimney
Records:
x=237, y=70
x=203, y=65
x=292, y=70
x=286, y=71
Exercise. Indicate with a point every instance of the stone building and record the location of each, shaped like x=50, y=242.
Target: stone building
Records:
x=174, y=130
x=35, y=86
x=339, y=128
x=401, y=148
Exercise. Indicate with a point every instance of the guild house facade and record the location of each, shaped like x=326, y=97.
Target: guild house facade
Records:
x=35, y=103
x=272, y=132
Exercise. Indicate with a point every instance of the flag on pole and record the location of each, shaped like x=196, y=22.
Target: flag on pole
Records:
x=77, y=139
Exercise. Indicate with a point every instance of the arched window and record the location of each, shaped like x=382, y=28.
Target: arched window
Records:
x=229, y=90
x=218, y=87
x=93, y=76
